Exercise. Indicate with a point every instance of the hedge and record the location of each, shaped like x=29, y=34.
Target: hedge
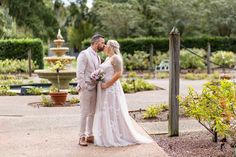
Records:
x=130, y=45
x=18, y=49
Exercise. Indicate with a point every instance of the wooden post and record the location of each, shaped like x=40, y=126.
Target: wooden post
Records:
x=151, y=57
x=208, y=58
x=174, y=50
x=29, y=60
x=152, y=67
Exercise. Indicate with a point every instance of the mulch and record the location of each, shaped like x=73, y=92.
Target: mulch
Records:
x=193, y=144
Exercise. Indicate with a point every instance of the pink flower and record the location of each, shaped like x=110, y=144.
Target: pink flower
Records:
x=97, y=75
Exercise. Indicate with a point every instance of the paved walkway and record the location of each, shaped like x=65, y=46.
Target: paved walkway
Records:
x=26, y=131
x=36, y=132
x=143, y=99
x=156, y=128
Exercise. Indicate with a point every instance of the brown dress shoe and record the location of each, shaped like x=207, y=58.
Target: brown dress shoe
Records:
x=90, y=139
x=82, y=142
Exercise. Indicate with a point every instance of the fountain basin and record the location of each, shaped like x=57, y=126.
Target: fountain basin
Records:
x=59, y=42
x=64, y=59
x=64, y=76
x=59, y=51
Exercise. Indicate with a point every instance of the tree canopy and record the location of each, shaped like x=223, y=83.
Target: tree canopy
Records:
x=116, y=18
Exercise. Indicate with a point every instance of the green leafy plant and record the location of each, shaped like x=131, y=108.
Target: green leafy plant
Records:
x=151, y=112
x=74, y=100
x=193, y=76
x=46, y=101
x=214, y=107
x=141, y=84
x=214, y=76
x=15, y=66
x=162, y=75
x=163, y=107
x=59, y=65
x=147, y=75
x=11, y=82
x=191, y=61
x=34, y=91
x=73, y=90
x=201, y=76
x=132, y=74
x=7, y=77
x=160, y=56
x=30, y=81
x=53, y=89
x=135, y=85
x=5, y=91
x=127, y=87
x=137, y=61
x=225, y=59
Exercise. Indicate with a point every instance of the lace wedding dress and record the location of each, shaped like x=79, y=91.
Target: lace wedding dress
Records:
x=112, y=123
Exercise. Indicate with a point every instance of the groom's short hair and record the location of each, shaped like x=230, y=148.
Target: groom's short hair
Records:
x=95, y=38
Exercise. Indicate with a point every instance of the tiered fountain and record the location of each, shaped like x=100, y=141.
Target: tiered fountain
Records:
x=66, y=74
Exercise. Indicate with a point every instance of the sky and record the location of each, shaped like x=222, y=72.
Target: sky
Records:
x=89, y=2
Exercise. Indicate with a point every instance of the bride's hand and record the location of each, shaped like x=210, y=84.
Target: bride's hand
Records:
x=104, y=85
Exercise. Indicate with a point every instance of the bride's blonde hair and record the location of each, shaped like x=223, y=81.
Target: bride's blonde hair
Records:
x=115, y=46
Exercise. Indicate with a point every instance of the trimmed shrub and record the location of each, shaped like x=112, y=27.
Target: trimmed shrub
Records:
x=224, y=58
x=18, y=49
x=15, y=66
x=130, y=45
x=137, y=61
x=191, y=61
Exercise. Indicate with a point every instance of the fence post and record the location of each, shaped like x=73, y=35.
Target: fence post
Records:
x=208, y=58
x=151, y=57
x=152, y=68
x=174, y=48
x=29, y=61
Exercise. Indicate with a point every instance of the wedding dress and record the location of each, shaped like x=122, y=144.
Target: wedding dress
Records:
x=112, y=123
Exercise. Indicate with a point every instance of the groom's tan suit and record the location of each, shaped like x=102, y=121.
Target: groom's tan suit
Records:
x=87, y=62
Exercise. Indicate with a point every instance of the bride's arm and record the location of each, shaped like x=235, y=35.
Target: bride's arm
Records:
x=117, y=65
x=109, y=83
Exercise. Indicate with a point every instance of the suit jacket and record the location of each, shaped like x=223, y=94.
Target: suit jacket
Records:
x=85, y=66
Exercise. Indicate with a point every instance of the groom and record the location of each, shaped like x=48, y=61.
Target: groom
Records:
x=87, y=62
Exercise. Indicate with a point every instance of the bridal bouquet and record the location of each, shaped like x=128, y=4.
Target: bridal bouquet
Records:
x=97, y=75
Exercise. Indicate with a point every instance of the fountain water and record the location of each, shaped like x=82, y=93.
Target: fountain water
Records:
x=59, y=60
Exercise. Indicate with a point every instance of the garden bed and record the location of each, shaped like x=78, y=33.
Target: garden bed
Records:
x=39, y=104
x=186, y=144
x=163, y=116
x=194, y=144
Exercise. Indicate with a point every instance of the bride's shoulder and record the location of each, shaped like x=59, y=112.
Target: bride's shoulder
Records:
x=116, y=58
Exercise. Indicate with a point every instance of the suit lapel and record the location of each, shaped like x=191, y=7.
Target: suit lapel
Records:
x=90, y=59
x=92, y=64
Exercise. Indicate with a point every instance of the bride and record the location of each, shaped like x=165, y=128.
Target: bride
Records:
x=112, y=123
